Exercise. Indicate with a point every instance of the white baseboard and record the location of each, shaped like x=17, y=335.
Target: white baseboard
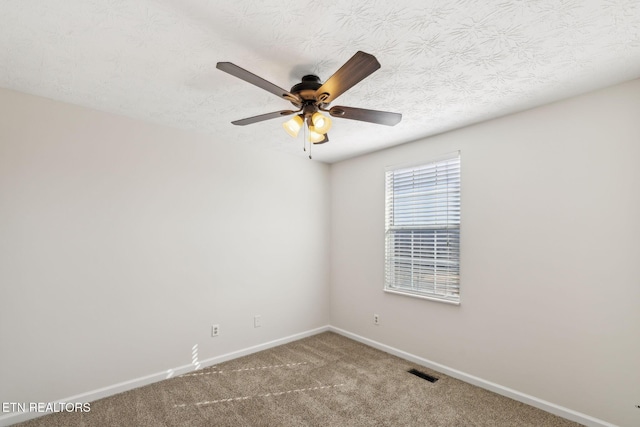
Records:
x=487, y=385
x=12, y=418
x=18, y=417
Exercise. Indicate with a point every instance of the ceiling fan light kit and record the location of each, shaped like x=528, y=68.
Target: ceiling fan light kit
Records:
x=311, y=97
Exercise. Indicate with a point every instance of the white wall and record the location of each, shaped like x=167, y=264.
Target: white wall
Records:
x=550, y=270
x=122, y=242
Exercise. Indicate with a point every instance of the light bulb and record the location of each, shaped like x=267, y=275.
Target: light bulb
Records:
x=293, y=126
x=321, y=122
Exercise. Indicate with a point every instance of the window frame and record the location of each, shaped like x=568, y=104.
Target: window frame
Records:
x=430, y=229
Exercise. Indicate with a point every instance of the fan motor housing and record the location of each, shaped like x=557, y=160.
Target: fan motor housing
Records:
x=306, y=89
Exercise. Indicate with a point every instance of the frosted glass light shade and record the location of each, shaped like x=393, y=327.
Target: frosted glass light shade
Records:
x=314, y=135
x=293, y=126
x=321, y=122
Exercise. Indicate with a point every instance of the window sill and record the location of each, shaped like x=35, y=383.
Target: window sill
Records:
x=409, y=294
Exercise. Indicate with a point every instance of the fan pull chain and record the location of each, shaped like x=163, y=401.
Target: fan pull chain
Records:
x=310, y=144
x=304, y=137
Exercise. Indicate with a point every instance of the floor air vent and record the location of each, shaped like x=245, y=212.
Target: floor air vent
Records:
x=423, y=375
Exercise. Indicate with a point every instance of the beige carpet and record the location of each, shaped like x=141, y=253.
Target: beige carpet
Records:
x=324, y=380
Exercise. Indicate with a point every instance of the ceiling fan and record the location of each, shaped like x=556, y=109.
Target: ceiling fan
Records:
x=311, y=96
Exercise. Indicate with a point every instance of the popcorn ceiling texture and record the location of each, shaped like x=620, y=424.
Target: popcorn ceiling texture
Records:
x=445, y=63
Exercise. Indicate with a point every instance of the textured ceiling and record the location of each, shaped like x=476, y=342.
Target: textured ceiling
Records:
x=445, y=63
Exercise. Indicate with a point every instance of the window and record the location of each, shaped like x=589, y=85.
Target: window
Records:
x=422, y=230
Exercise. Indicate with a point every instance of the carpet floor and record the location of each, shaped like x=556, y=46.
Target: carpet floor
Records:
x=323, y=380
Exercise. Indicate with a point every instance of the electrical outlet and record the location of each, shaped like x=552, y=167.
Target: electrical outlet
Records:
x=376, y=319
x=257, y=321
x=215, y=330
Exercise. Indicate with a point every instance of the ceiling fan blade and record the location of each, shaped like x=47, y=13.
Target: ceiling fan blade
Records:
x=351, y=73
x=263, y=117
x=249, y=77
x=371, y=116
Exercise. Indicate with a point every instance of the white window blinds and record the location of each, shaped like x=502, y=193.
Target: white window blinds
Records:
x=423, y=230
